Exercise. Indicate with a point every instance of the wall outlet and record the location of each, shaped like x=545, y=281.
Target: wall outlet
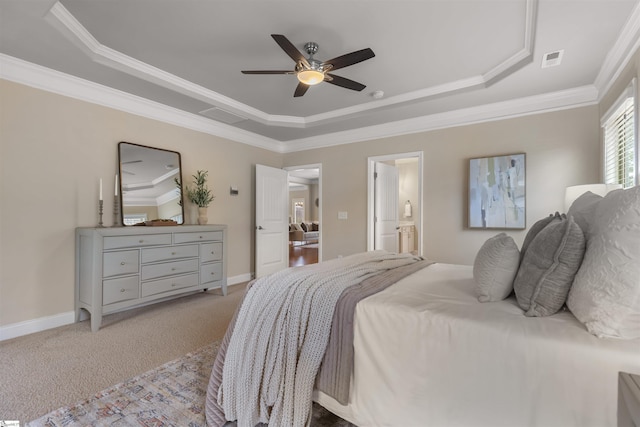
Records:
x=343, y=215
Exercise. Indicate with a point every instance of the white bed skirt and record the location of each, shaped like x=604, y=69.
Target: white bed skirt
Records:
x=427, y=353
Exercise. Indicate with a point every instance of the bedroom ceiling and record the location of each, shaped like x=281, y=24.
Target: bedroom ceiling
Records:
x=438, y=63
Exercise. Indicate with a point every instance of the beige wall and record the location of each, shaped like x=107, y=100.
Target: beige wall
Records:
x=562, y=149
x=53, y=151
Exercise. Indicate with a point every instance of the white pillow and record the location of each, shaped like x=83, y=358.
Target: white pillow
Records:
x=605, y=295
x=494, y=268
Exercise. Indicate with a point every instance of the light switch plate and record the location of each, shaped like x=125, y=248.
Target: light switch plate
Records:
x=342, y=215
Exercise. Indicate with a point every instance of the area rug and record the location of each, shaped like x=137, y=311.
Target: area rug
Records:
x=172, y=395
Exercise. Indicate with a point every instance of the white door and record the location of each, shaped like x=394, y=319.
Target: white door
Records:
x=272, y=220
x=386, y=207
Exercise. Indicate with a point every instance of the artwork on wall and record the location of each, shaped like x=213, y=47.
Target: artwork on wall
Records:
x=497, y=192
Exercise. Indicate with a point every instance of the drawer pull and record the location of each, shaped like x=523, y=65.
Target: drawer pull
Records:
x=173, y=269
x=123, y=290
x=173, y=253
x=173, y=285
x=141, y=241
x=122, y=263
x=201, y=237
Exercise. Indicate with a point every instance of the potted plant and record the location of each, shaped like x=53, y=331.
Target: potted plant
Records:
x=200, y=195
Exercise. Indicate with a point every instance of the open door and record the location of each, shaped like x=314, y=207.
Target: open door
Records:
x=272, y=221
x=386, y=222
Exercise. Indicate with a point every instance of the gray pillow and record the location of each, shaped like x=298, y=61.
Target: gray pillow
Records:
x=549, y=267
x=535, y=229
x=606, y=293
x=495, y=267
x=583, y=209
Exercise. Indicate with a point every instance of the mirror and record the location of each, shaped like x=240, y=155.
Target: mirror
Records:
x=148, y=190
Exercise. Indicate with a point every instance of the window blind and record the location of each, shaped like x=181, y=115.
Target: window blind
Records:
x=620, y=144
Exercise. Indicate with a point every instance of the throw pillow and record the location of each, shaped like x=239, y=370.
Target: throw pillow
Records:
x=495, y=267
x=304, y=227
x=315, y=226
x=583, y=209
x=534, y=230
x=549, y=267
x=606, y=293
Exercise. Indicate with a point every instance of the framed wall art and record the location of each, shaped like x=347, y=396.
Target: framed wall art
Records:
x=497, y=190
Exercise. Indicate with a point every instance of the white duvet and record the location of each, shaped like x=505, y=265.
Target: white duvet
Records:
x=427, y=353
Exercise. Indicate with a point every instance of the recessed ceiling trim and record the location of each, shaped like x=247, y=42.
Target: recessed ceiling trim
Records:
x=555, y=101
x=43, y=78
x=625, y=46
x=64, y=21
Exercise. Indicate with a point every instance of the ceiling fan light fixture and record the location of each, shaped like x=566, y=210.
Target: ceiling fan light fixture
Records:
x=310, y=77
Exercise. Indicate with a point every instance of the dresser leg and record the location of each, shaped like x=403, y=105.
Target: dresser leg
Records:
x=96, y=321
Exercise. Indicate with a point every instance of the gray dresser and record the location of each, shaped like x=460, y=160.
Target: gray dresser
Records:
x=124, y=267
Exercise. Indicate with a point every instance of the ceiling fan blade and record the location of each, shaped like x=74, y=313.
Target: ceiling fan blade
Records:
x=301, y=89
x=344, y=82
x=350, y=59
x=290, y=49
x=268, y=72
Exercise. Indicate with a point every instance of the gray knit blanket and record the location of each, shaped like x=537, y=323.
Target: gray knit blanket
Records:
x=279, y=336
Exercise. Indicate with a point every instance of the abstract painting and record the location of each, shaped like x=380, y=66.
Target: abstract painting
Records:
x=497, y=192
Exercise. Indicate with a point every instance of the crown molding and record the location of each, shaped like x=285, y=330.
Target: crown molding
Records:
x=538, y=104
x=627, y=43
x=49, y=80
x=65, y=22
x=43, y=78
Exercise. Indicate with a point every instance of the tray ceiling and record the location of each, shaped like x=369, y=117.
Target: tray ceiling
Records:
x=437, y=63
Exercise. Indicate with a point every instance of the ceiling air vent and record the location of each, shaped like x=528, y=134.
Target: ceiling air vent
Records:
x=223, y=116
x=552, y=59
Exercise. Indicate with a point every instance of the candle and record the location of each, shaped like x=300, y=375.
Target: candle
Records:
x=116, y=186
x=100, y=188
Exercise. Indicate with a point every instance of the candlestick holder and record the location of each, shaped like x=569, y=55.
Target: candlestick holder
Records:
x=100, y=207
x=116, y=212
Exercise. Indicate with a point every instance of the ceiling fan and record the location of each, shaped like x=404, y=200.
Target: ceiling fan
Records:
x=311, y=71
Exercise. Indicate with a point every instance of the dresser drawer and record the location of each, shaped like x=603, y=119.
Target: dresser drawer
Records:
x=169, y=253
x=211, y=272
x=116, y=290
x=154, y=287
x=211, y=252
x=119, y=263
x=117, y=242
x=155, y=271
x=197, y=237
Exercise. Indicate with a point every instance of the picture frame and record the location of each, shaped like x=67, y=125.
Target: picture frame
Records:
x=497, y=192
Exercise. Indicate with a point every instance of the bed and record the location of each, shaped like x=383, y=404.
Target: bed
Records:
x=428, y=352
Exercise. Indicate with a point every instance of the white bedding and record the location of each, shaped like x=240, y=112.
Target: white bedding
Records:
x=427, y=353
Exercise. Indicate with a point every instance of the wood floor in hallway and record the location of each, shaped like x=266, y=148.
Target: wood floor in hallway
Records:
x=302, y=254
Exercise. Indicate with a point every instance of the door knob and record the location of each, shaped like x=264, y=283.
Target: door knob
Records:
x=260, y=227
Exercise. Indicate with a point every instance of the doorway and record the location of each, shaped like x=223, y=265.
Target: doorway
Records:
x=395, y=215
x=305, y=215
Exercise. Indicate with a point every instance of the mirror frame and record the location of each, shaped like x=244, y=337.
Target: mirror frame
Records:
x=120, y=183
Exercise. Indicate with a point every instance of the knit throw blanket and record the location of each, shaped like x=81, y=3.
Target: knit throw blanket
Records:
x=280, y=335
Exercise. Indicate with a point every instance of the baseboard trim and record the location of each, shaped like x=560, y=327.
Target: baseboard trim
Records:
x=27, y=327
x=36, y=325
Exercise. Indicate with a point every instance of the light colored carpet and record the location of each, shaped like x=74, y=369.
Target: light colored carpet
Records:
x=170, y=395
x=44, y=371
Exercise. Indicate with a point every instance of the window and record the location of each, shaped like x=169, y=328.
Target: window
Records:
x=133, y=219
x=298, y=210
x=620, y=141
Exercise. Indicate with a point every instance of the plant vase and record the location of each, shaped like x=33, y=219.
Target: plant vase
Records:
x=202, y=216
